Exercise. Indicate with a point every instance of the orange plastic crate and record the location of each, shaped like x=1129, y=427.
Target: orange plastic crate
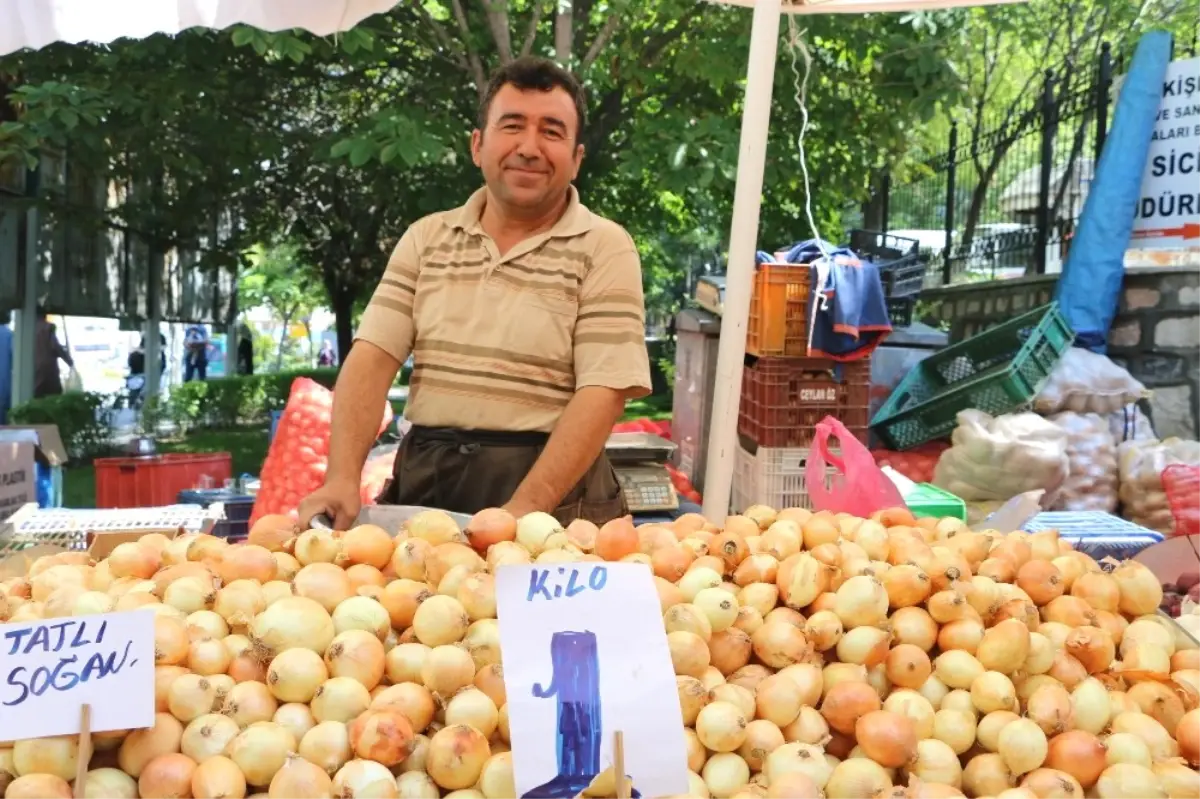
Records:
x=157, y=480
x=779, y=311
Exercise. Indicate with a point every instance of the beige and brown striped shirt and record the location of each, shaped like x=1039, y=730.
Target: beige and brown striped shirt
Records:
x=502, y=343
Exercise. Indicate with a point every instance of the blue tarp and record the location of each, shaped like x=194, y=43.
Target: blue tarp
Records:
x=1090, y=286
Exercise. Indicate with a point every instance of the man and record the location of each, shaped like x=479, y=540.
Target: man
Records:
x=523, y=311
x=137, y=357
x=245, y=350
x=47, y=352
x=195, y=353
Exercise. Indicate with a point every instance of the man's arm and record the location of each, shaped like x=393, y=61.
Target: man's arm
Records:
x=382, y=343
x=611, y=366
x=358, y=400
x=577, y=440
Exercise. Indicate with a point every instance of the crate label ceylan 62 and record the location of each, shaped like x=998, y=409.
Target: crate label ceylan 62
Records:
x=827, y=394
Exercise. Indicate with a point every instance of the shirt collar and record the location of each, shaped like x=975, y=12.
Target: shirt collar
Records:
x=575, y=221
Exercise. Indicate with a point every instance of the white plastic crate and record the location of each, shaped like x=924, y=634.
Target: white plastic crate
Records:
x=772, y=476
x=69, y=527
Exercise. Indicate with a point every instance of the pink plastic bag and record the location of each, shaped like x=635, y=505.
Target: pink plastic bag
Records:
x=859, y=487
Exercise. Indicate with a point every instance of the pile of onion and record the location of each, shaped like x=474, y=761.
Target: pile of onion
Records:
x=815, y=654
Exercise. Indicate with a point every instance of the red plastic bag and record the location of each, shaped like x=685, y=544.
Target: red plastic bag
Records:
x=299, y=454
x=1182, y=486
x=859, y=487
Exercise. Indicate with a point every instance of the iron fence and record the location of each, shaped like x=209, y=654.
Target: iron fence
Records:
x=1003, y=199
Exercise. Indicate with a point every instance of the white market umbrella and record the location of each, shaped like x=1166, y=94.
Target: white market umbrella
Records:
x=37, y=23
x=747, y=197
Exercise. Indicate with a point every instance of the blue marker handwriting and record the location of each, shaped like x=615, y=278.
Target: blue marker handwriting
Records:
x=561, y=582
x=44, y=638
x=70, y=670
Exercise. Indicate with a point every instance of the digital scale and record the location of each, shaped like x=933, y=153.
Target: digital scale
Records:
x=640, y=459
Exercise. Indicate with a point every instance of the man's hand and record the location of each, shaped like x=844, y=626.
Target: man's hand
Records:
x=518, y=508
x=337, y=499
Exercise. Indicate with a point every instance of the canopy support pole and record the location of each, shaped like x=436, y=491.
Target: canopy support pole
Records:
x=154, y=280
x=743, y=241
x=25, y=320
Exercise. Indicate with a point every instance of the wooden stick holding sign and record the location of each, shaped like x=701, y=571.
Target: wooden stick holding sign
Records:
x=85, y=750
x=619, y=765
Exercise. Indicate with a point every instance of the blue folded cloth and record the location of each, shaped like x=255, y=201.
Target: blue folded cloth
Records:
x=849, y=313
x=806, y=252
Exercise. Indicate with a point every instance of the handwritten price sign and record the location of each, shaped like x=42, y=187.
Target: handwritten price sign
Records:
x=49, y=669
x=585, y=655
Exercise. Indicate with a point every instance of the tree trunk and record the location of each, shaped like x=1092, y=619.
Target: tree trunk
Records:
x=283, y=337
x=342, y=303
x=975, y=209
x=873, y=209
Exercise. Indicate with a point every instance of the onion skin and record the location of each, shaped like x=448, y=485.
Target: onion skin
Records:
x=274, y=533
x=168, y=776
x=887, y=738
x=846, y=702
x=1187, y=735
x=38, y=786
x=490, y=526
x=1079, y=754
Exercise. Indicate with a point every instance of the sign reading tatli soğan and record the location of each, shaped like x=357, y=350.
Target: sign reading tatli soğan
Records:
x=49, y=669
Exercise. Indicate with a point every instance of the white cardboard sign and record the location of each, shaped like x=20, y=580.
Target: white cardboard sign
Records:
x=585, y=655
x=50, y=668
x=1168, y=208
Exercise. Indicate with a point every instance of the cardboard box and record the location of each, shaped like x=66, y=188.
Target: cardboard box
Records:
x=21, y=449
x=50, y=450
x=18, y=485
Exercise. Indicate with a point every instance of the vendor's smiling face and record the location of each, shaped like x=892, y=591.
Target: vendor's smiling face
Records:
x=529, y=151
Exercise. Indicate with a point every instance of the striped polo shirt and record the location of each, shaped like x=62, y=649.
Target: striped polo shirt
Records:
x=503, y=342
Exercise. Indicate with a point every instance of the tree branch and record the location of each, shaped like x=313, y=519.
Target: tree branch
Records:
x=440, y=34
x=655, y=46
x=564, y=22
x=539, y=9
x=464, y=28
x=497, y=17
x=602, y=38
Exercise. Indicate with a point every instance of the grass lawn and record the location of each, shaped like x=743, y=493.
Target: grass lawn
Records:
x=248, y=448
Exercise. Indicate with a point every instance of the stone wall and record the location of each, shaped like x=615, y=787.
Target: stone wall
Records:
x=1156, y=334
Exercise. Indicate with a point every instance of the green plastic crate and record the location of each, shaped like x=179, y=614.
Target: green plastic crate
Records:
x=929, y=501
x=998, y=371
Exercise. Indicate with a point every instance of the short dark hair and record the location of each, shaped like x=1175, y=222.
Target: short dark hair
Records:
x=530, y=73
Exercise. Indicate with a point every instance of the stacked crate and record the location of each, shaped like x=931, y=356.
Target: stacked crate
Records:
x=785, y=392
x=901, y=269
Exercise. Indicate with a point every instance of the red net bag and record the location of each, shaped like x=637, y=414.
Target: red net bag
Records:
x=1182, y=486
x=916, y=464
x=299, y=454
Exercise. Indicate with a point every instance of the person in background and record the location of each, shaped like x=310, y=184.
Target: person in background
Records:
x=47, y=352
x=245, y=350
x=195, y=353
x=326, y=357
x=5, y=366
x=137, y=358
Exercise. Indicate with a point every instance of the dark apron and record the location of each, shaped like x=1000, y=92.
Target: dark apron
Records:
x=465, y=471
